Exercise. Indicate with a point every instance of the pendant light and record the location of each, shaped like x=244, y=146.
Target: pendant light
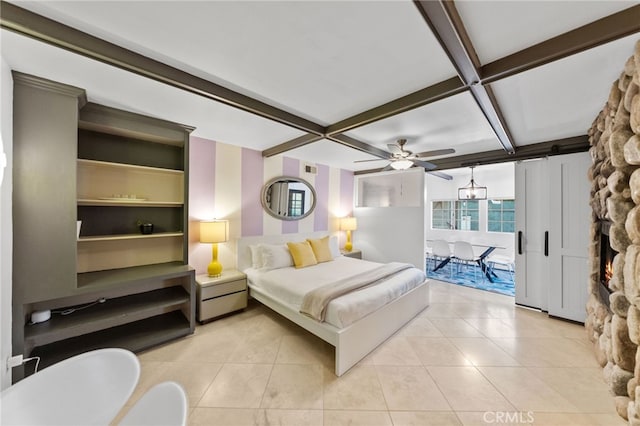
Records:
x=472, y=191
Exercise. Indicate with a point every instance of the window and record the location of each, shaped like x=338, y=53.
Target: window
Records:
x=296, y=202
x=463, y=215
x=501, y=216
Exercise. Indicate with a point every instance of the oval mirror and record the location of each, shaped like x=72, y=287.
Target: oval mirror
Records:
x=288, y=198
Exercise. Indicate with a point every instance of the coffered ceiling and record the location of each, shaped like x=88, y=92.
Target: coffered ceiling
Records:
x=332, y=82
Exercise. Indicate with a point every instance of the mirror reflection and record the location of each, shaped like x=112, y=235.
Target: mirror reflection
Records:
x=288, y=198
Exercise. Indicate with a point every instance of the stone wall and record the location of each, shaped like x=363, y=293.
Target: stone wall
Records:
x=615, y=197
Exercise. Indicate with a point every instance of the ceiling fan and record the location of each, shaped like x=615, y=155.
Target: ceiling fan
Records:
x=402, y=159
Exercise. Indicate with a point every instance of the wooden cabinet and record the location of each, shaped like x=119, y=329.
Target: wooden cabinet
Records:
x=112, y=286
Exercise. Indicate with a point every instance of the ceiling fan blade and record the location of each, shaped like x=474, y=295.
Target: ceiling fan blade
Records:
x=387, y=168
x=440, y=175
x=436, y=152
x=427, y=165
x=395, y=149
x=375, y=159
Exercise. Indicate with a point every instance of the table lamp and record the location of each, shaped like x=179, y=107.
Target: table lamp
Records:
x=348, y=224
x=214, y=232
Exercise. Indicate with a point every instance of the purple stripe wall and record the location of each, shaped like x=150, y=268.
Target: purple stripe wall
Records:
x=251, y=185
x=346, y=191
x=290, y=167
x=202, y=183
x=321, y=213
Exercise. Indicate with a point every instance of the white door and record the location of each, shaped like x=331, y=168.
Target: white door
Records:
x=532, y=209
x=569, y=223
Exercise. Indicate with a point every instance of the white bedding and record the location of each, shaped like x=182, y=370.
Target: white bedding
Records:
x=289, y=285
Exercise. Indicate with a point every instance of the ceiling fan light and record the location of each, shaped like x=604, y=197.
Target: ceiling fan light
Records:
x=401, y=164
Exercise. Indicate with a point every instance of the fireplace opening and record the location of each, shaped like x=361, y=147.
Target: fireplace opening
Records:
x=606, y=260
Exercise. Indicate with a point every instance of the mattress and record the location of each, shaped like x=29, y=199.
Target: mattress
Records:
x=290, y=285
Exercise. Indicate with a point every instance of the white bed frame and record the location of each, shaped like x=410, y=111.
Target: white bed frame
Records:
x=355, y=341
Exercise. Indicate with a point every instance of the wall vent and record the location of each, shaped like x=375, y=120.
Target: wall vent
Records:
x=308, y=168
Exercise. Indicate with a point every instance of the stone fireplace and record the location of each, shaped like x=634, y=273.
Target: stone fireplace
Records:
x=613, y=309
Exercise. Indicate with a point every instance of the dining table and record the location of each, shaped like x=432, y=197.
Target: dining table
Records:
x=488, y=249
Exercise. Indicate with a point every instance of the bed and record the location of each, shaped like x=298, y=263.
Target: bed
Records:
x=381, y=310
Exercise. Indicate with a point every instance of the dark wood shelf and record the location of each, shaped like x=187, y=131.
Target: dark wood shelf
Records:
x=135, y=336
x=114, y=277
x=111, y=313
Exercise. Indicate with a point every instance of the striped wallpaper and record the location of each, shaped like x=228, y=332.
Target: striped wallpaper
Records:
x=225, y=182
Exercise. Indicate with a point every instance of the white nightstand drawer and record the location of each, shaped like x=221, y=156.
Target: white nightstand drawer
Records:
x=207, y=292
x=221, y=305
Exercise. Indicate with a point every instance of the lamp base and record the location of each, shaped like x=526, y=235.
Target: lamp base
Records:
x=348, y=246
x=214, y=269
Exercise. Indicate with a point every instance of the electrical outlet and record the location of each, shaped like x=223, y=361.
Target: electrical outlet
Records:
x=14, y=361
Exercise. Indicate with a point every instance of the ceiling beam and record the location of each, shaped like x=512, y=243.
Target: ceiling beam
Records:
x=54, y=33
x=292, y=144
x=543, y=149
x=605, y=30
x=422, y=97
x=360, y=146
x=445, y=23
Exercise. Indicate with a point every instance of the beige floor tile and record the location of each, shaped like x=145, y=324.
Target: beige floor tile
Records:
x=195, y=378
x=150, y=372
x=357, y=418
x=421, y=327
x=305, y=349
x=201, y=416
x=548, y=351
x=582, y=386
x=525, y=391
x=483, y=352
x=466, y=389
x=455, y=327
x=424, y=418
x=440, y=310
x=257, y=349
x=573, y=419
x=167, y=352
x=215, y=346
x=358, y=389
x=607, y=419
x=492, y=327
x=395, y=351
x=273, y=417
x=410, y=388
x=237, y=386
x=437, y=351
x=294, y=386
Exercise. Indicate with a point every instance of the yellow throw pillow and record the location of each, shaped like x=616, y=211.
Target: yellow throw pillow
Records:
x=302, y=254
x=321, y=249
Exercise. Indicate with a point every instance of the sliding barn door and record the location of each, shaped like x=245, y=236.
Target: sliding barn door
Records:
x=532, y=210
x=569, y=235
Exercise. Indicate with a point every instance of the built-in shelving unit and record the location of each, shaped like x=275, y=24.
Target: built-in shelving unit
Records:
x=112, y=286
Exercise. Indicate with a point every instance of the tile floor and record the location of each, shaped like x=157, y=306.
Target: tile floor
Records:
x=470, y=358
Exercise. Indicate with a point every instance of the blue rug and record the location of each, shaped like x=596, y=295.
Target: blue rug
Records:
x=502, y=283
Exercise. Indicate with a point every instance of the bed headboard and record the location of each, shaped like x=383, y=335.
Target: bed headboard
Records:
x=244, y=253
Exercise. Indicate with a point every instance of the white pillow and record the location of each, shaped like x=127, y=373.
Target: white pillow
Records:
x=275, y=256
x=334, y=246
x=256, y=256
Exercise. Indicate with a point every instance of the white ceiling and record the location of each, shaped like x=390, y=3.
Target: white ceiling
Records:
x=329, y=60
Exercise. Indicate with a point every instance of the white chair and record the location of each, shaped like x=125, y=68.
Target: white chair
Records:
x=164, y=404
x=463, y=255
x=87, y=389
x=507, y=262
x=440, y=252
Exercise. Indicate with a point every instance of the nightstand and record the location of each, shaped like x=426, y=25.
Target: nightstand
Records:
x=220, y=295
x=355, y=253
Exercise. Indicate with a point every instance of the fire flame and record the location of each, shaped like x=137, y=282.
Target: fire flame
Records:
x=608, y=272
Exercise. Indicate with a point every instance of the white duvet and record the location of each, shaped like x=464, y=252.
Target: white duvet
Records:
x=289, y=286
